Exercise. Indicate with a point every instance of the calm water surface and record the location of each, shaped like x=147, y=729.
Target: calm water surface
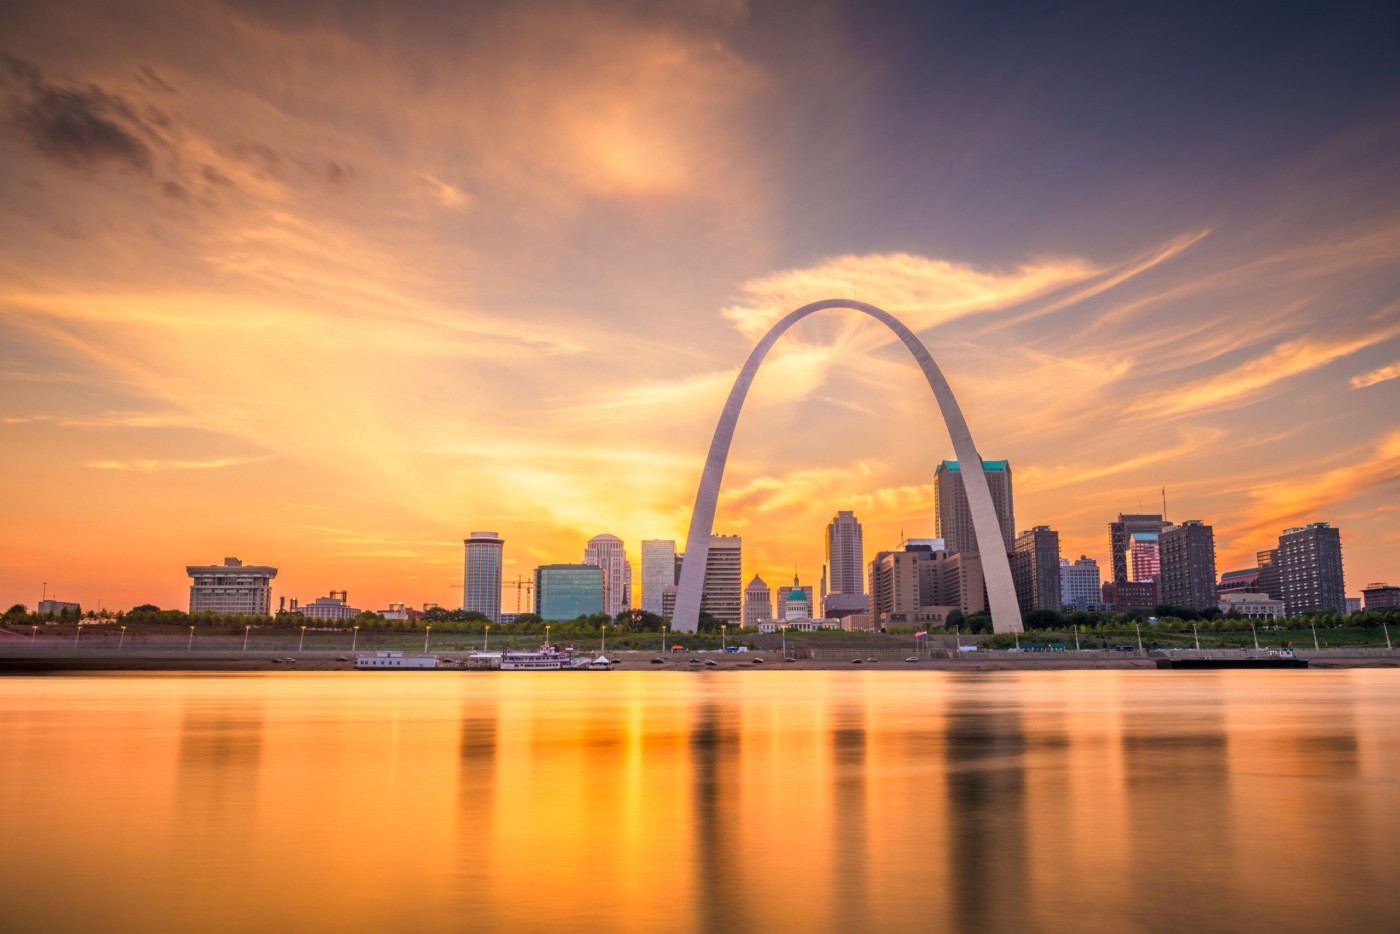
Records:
x=803, y=801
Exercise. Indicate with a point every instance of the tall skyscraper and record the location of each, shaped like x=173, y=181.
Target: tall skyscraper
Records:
x=845, y=554
x=231, y=587
x=1080, y=586
x=722, y=596
x=481, y=576
x=843, y=581
x=608, y=553
x=953, y=517
x=758, y=603
x=1187, y=554
x=1120, y=539
x=1035, y=568
x=658, y=571
x=568, y=591
x=1310, y=560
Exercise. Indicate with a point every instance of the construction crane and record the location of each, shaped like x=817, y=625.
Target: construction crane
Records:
x=522, y=584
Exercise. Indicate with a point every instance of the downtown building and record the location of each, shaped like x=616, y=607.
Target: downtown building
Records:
x=919, y=585
x=332, y=608
x=608, y=553
x=1120, y=539
x=231, y=587
x=1310, y=570
x=1080, y=584
x=758, y=603
x=1187, y=566
x=723, y=593
x=1035, y=569
x=953, y=516
x=843, y=589
x=568, y=591
x=658, y=572
x=481, y=574
x=1381, y=597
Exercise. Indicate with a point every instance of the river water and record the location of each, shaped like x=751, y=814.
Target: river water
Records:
x=710, y=801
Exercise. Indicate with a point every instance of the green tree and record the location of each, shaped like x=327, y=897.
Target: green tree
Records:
x=19, y=609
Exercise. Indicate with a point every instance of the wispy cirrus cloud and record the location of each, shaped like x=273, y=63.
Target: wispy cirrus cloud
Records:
x=1376, y=376
x=153, y=466
x=1247, y=382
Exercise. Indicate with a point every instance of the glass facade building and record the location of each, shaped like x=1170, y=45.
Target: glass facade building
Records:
x=568, y=591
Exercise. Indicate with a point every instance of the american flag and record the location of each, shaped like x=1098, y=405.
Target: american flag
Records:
x=920, y=633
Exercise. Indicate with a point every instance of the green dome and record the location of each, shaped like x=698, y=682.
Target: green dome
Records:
x=797, y=594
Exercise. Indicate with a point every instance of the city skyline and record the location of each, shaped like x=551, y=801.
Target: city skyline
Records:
x=329, y=292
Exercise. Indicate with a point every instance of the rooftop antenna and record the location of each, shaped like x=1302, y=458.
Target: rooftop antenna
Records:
x=1164, y=502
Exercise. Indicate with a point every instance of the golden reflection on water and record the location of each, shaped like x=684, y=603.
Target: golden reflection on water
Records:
x=1085, y=801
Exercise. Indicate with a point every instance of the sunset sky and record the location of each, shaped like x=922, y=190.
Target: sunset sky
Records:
x=328, y=286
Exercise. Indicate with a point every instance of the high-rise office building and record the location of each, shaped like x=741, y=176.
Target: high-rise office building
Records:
x=1187, y=554
x=1035, y=568
x=481, y=577
x=608, y=553
x=1144, y=557
x=1080, y=583
x=845, y=554
x=658, y=571
x=1270, y=580
x=758, y=603
x=1310, y=567
x=952, y=516
x=231, y=587
x=568, y=591
x=1120, y=539
x=723, y=593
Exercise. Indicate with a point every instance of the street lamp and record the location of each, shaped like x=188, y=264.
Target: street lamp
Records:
x=1138, y=627
x=121, y=639
x=77, y=637
x=303, y=639
x=486, y=642
x=33, y=634
x=189, y=646
x=784, y=628
x=427, y=633
x=723, y=637
x=1316, y=647
x=663, y=638
x=1387, y=637
x=1256, y=634
x=546, y=635
x=1197, y=635
x=604, y=649
x=355, y=638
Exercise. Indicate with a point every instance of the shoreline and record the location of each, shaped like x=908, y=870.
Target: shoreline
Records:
x=239, y=662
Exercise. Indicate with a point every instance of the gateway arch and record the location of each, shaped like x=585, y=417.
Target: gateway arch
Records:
x=1001, y=592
